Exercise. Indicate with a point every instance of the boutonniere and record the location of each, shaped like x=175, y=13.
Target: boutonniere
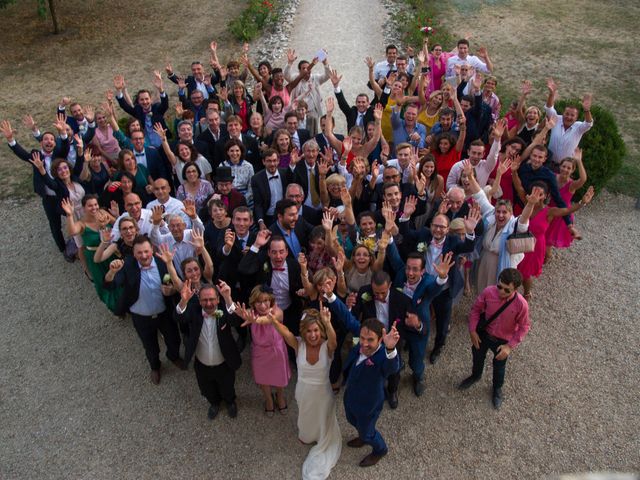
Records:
x=218, y=313
x=379, y=226
x=368, y=362
x=166, y=279
x=265, y=267
x=400, y=289
x=366, y=296
x=422, y=246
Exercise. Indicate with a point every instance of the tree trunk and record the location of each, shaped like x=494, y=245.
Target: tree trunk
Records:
x=54, y=16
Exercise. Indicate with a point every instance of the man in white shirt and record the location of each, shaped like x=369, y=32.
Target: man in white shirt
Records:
x=216, y=354
x=566, y=135
x=481, y=63
x=179, y=239
x=483, y=167
x=308, y=88
x=133, y=207
x=382, y=69
x=169, y=204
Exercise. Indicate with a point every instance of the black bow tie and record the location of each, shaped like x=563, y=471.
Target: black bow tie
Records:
x=273, y=177
x=139, y=154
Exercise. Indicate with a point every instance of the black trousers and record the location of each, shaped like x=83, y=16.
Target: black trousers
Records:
x=216, y=383
x=50, y=205
x=148, y=327
x=487, y=342
x=442, y=306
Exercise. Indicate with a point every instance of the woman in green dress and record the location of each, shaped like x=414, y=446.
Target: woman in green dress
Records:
x=88, y=227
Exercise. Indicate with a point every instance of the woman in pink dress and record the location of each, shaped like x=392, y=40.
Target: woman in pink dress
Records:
x=558, y=235
x=103, y=139
x=531, y=266
x=269, y=360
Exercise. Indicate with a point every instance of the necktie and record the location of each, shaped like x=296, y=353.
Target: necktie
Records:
x=315, y=197
x=360, y=120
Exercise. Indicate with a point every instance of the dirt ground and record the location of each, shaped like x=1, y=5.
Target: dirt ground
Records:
x=99, y=40
x=586, y=45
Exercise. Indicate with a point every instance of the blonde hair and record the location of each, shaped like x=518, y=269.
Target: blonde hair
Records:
x=257, y=292
x=336, y=179
x=323, y=275
x=309, y=317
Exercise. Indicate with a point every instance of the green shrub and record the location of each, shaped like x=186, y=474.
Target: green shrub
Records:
x=419, y=14
x=602, y=146
x=253, y=19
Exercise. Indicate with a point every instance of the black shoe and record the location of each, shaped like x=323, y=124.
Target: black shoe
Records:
x=467, y=382
x=497, y=398
x=393, y=400
x=418, y=387
x=213, y=412
x=435, y=353
x=232, y=410
x=371, y=459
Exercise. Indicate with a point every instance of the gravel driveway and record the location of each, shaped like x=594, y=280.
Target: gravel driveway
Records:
x=76, y=402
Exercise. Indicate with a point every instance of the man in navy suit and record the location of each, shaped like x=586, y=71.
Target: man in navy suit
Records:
x=379, y=300
x=143, y=296
x=369, y=364
x=197, y=81
x=234, y=130
x=268, y=186
x=293, y=229
x=323, y=141
x=362, y=112
x=435, y=242
x=149, y=157
x=299, y=136
x=147, y=113
x=209, y=339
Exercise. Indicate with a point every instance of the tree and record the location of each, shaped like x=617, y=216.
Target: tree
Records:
x=43, y=6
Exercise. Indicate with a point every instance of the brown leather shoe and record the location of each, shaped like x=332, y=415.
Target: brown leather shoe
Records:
x=179, y=363
x=371, y=459
x=155, y=377
x=356, y=443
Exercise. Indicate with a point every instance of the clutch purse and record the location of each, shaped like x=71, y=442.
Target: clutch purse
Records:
x=520, y=242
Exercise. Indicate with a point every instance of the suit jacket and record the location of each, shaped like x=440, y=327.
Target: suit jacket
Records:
x=252, y=151
x=311, y=215
x=156, y=164
x=58, y=185
x=364, y=395
x=257, y=266
x=322, y=143
x=60, y=151
x=129, y=278
x=158, y=110
x=192, y=317
x=207, y=137
x=262, y=192
x=191, y=84
x=461, y=213
x=301, y=177
x=351, y=112
x=425, y=292
x=399, y=306
x=228, y=264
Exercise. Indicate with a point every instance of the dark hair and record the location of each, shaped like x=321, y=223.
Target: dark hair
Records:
x=301, y=63
x=477, y=143
x=463, y=41
x=282, y=205
x=538, y=183
x=510, y=276
x=190, y=164
x=447, y=111
x=468, y=98
x=374, y=325
x=234, y=142
x=89, y=196
x=429, y=158
x=140, y=92
x=276, y=70
x=130, y=122
x=541, y=148
x=290, y=114
x=389, y=47
x=275, y=98
x=418, y=256
x=366, y=213
x=380, y=278
x=277, y=238
x=266, y=64
x=189, y=260
x=130, y=177
x=316, y=233
x=56, y=163
x=513, y=141
x=268, y=152
x=388, y=185
x=140, y=239
x=444, y=136
x=193, y=153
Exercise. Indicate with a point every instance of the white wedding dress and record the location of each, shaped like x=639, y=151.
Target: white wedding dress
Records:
x=317, y=420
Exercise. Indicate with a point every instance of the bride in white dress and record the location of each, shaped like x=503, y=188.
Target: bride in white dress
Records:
x=317, y=420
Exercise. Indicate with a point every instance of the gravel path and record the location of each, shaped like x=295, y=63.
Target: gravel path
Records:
x=75, y=400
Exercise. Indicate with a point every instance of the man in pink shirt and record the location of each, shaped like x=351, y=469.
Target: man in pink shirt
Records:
x=501, y=333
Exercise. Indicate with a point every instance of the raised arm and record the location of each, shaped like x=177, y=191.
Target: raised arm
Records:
x=582, y=172
x=165, y=143
x=333, y=141
x=372, y=81
x=371, y=144
x=332, y=342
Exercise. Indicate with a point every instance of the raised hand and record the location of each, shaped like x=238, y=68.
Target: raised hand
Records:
x=577, y=154
x=446, y=262
x=526, y=88
x=351, y=300
x=327, y=221
x=420, y=183
x=294, y=157
x=291, y=56
x=156, y=215
x=168, y=68
x=157, y=127
x=445, y=205
x=330, y=105
x=482, y=52
x=189, y=208
x=335, y=78
x=551, y=85
x=550, y=122
x=377, y=112
x=157, y=80
x=207, y=79
x=385, y=150
x=118, y=82
x=60, y=123
x=338, y=262
x=7, y=131
x=262, y=238
x=588, y=196
x=38, y=163
x=323, y=167
x=109, y=96
x=213, y=46
x=391, y=338
x=90, y=113
x=347, y=145
x=165, y=254
x=345, y=196
x=536, y=196
x=182, y=82
x=302, y=261
x=179, y=110
x=30, y=123
x=114, y=209
x=369, y=62
x=224, y=289
x=186, y=292
x=106, y=235
x=325, y=314
x=472, y=219
x=229, y=239
x=505, y=165
x=499, y=128
x=375, y=169
x=586, y=101
x=65, y=102
x=116, y=265
x=197, y=240
x=410, y=206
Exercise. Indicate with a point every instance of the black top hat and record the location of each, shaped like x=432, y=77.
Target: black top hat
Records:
x=223, y=174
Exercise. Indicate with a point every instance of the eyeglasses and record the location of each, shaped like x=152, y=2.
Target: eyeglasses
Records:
x=503, y=288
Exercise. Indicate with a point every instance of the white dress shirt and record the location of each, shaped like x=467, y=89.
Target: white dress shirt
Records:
x=280, y=286
x=150, y=299
x=563, y=142
x=275, y=189
x=382, y=311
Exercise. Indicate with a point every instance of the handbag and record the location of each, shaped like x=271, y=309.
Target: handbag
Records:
x=520, y=242
x=483, y=323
